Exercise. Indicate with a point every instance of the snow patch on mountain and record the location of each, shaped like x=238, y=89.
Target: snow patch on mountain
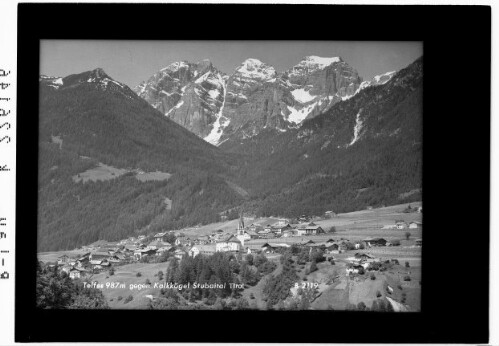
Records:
x=298, y=115
x=320, y=62
x=54, y=82
x=384, y=78
x=377, y=80
x=356, y=130
x=220, y=123
x=302, y=95
x=214, y=93
x=313, y=63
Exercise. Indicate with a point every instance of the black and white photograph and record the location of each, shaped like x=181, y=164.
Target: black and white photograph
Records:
x=230, y=175
x=213, y=173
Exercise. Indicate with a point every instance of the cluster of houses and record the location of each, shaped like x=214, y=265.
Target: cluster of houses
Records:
x=250, y=239
x=282, y=228
x=400, y=224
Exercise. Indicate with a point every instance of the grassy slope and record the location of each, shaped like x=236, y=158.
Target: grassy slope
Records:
x=127, y=274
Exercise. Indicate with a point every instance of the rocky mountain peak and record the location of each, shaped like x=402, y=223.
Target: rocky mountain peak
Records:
x=320, y=62
x=175, y=66
x=216, y=106
x=98, y=73
x=256, y=69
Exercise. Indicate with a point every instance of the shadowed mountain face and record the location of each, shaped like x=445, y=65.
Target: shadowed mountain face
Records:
x=92, y=126
x=311, y=139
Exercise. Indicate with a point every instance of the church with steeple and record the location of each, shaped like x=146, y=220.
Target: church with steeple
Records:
x=240, y=234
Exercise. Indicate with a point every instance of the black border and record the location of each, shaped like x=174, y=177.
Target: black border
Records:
x=456, y=169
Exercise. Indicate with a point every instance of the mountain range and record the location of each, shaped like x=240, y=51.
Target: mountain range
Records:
x=218, y=107
x=313, y=138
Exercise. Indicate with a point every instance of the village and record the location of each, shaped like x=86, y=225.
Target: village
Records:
x=356, y=247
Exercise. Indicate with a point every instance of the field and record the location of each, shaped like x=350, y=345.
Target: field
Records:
x=126, y=275
x=105, y=172
x=100, y=173
x=336, y=288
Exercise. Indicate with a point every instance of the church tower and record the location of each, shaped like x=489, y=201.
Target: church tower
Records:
x=240, y=228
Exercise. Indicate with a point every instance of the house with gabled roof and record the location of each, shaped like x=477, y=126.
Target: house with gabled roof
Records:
x=254, y=227
x=161, y=236
x=280, y=228
x=62, y=259
x=76, y=273
x=271, y=247
x=139, y=253
x=400, y=224
x=415, y=224
x=310, y=229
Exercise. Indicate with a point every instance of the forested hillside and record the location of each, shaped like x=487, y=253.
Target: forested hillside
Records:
x=90, y=120
x=365, y=151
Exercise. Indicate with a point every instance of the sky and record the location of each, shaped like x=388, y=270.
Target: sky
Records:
x=132, y=62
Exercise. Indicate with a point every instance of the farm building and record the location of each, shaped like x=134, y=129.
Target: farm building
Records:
x=279, y=229
x=374, y=242
x=62, y=259
x=415, y=224
x=400, y=224
x=329, y=214
x=309, y=229
x=252, y=248
x=162, y=236
x=99, y=264
x=306, y=242
x=183, y=241
x=304, y=218
x=254, y=227
x=270, y=248
x=76, y=273
x=363, y=256
x=332, y=245
x=139, y=253
x=202, y=240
